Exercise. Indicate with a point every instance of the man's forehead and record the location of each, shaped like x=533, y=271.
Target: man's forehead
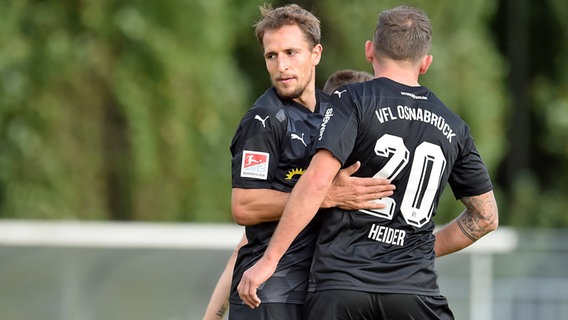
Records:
x=284, y=38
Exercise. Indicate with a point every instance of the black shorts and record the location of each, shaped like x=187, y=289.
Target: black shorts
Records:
x=351, y=305
x=266, y=311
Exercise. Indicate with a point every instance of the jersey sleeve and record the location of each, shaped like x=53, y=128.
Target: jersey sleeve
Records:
x=255, y=150
x=338, y=129
x=469, y=176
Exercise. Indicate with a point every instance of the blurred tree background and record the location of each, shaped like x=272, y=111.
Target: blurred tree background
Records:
x=124, y=110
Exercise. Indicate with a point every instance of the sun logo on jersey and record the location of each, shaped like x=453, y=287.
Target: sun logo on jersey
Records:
x=294, y=172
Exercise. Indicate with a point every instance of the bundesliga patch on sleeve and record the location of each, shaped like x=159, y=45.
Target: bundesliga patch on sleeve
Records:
x=254, y=164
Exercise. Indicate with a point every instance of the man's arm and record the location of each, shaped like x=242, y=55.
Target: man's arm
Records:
x=352, y=193
x=305, y=200
x=253, y=206
x=478, y=219
x=219, y=301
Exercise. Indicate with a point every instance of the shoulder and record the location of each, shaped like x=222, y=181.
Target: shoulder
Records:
x=268, y=108
x=322, y=96
x=358, y=90
x=268, y=113
x=270, y=105
x=323, y=100
x=268, y=101
x=449, y=115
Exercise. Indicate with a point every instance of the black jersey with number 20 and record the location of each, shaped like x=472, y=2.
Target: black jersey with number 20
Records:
x=271, y=149
x=405, y=134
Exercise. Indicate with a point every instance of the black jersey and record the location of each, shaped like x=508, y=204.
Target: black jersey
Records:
x=271, y=149
x=408, y=135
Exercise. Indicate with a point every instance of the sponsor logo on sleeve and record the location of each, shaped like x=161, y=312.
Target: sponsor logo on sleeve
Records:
x=254, y=164
x=326, y=118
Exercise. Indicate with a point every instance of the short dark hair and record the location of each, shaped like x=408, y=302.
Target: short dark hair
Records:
x=403, y=33
x=345, y=76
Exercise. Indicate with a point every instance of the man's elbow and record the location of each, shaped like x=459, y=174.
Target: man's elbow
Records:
x=240, y=215
x=495, y=222
x=492, y=221
x=483, y=213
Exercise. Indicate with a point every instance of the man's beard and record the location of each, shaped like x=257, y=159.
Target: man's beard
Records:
x=296, y=93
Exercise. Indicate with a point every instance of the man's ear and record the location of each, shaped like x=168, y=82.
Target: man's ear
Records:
x=316, y=53
x=369, y=51
x=425, y=64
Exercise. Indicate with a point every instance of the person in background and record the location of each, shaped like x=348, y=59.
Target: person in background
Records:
x=345, y=76
x=219, y=300
x=379, y=264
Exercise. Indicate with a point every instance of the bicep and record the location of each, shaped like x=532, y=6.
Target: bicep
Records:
x=253, y=206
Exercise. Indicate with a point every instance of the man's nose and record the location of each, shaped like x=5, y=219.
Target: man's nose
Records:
x=283, y=63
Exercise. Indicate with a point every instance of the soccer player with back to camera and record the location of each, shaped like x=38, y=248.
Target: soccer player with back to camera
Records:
x=219, y=301
x=379, y=264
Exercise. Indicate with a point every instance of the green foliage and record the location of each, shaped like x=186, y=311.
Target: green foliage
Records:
x=125, y=109
x=455, y=74
x=117, y=109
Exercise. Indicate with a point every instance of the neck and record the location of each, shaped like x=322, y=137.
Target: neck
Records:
x=401, y=72
x=308, y=98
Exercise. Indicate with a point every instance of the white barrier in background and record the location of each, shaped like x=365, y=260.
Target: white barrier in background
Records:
x=169, y=235
x=481, y=260
x=210, y=236
x=119, y=234
x=91, y=264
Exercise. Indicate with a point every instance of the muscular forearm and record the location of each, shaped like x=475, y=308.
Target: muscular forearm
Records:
x=451, y=239
x=253, y=206
x=478, y=219
x=304, y=202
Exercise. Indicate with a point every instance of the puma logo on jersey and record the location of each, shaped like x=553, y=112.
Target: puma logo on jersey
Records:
x=257, y=117
x=297, y=137
x=339, y=93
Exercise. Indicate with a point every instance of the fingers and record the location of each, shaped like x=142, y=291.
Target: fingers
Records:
x=369, y=198
x=375, y=204
x=251, y=281
x=370, y=192
x=352, y=168
x=247, y=292
x=369, y=182
x=378, y=192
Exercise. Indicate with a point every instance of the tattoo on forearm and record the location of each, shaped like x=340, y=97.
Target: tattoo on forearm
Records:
x=221, y=312
x=465, y=223
x=479, y=215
